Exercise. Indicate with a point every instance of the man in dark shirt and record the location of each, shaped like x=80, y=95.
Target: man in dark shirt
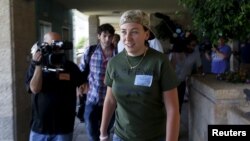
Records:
x=53, y=89
x=244, y=52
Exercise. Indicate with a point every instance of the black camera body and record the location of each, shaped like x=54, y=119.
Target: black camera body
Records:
x=53, y=54
x=206, y=46
x=169, y=29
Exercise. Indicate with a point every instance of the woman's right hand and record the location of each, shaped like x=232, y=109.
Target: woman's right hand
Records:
x=104, y=138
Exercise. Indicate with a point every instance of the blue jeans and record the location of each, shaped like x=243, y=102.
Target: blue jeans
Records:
x=45, y=137
x=117, y=138
x=181, y=93
x=93, y=118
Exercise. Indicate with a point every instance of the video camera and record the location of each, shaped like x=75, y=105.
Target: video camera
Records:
x=206, y=46
x=53, y=54
x=169, y=29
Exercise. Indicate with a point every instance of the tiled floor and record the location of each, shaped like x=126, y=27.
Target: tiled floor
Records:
x=80, y=134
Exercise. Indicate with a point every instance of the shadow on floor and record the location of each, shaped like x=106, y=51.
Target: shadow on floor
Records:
x=80, y=133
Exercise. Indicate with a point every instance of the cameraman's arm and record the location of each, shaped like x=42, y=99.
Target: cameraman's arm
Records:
x=36, y=80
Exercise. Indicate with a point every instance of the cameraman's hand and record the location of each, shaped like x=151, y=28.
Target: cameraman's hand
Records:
x=36, y=53
x=37, y=58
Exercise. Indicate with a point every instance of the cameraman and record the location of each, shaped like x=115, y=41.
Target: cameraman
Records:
x=53, y=95
x=186, y=61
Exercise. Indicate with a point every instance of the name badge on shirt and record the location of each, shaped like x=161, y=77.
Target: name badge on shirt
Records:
x=64, y=76
x=143, y=80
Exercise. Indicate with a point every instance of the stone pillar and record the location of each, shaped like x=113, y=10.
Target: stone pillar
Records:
x=214, y=102
x=6, y=91
x=93, y=24
x=17, y=34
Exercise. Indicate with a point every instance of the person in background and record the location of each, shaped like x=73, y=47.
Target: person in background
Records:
x=115, y=41
x=220, y=57
x=185, y=63
x=120, y=46
x=53, y=92
x=244, y=59
x=205, y=48
x=142, y=88
x=155, y=44
x=96, y=89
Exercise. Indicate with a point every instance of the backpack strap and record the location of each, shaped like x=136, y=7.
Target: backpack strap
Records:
x=92, y=49
x=90, y=52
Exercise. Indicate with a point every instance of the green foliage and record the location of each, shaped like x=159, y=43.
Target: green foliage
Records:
x=81, y=43
x=213, y=17
x=235, y=77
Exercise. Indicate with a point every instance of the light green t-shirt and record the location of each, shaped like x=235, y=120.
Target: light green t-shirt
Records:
x=140, y=113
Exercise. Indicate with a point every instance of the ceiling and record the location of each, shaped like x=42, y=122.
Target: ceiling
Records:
x=109, y=11
x=116, y=7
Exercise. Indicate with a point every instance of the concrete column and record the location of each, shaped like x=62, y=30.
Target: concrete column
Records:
x=6, y=91
x=17, y=34
x=93, y=24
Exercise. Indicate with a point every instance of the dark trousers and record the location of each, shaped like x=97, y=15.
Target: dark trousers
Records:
x=93, y=118
x=181, y=93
